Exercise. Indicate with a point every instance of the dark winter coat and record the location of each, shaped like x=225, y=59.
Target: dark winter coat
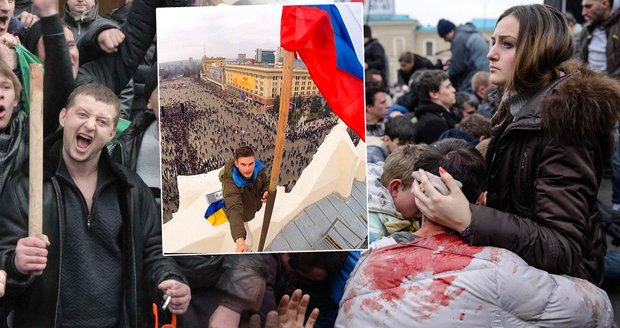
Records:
x=374, y=57
x=127, y=147
x=139, y=98
x=433, y=120
x=14, y=139
x=145, y=266
x=545, y=170
x=115, y=70
x=242, y=203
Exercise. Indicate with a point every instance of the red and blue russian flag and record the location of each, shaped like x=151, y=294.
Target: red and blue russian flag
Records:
x=320, y=37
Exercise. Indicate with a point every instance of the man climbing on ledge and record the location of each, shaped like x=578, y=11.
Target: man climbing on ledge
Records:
x=244, y=186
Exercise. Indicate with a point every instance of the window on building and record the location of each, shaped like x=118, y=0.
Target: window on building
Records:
x=429, y=48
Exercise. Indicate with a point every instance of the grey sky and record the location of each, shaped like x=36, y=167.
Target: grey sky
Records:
x=457, y=11
x=223, y=30
x=229, y=30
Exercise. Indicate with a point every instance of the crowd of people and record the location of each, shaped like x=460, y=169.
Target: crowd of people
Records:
x=541, y=108
x=483, y=205
x=202, y=125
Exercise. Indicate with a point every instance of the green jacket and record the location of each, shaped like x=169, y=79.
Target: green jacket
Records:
x=242, y=203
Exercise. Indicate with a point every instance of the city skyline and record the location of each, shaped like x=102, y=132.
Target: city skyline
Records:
x=226, y=31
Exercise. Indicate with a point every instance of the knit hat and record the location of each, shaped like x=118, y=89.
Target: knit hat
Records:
x=150, y=81
x=444, y=27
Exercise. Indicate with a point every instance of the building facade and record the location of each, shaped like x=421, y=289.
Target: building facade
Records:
x=400, y=33
x=262, y=83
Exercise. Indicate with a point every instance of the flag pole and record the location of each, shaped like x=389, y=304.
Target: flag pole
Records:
x=285, y=96
x=35, y=184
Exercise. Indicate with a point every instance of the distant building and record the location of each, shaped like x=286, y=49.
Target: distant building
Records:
x=213, y=70
x=263, y=83
x=400, y=33
x=209, y=61
x=241, y=58
x=279, y=55
x=265, y=56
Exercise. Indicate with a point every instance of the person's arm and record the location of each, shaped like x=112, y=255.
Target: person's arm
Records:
x=27, y=19
x=58, y=79
x=13, y=228
x=264, y=178
x=431, y=131
x=234, y=209
x=99, y=39
x=426, y=63
x=548, y=300
x=2, y=282
x=116, y=69
x=160, y=270
x=291, y=313
x=554, y=239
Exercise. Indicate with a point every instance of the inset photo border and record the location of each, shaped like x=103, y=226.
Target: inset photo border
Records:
x=223, y=88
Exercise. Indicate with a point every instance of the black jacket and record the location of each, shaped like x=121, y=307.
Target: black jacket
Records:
x=58, y=81
x=433, y=120
x=546, y=166
x=13, y=147
x=126, y=148
x=140, y=99
x=374, y=57
x=115, y=70
x=36, y=299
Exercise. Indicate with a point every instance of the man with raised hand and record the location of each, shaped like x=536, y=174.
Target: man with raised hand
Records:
x=100, y=254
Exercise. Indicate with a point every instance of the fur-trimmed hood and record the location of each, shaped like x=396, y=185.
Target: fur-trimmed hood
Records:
x=581, y=106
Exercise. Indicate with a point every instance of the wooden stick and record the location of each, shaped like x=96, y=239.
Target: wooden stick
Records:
x=35, y=187
x=285, y=97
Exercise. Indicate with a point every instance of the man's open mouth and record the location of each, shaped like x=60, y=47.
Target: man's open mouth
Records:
x=83, y=141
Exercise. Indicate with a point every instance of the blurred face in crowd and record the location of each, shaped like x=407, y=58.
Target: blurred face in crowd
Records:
x=448, y=37
x=376, y=112
x=80, y=6
x=74, y=54
x=7, y=7
x=377, y=77
x=595, y=11
x=390, y=143
x=88, y=126
x=404, y=201
x=405, y=66
x=503, y=50
x=446, y=95
x=7, y=101
x=245, y=165
x=468, y=110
